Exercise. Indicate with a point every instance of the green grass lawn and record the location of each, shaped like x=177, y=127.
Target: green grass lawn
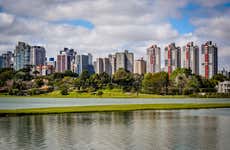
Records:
x=114, y=93
x=105, y=108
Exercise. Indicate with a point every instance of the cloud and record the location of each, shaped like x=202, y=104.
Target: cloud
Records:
x=5, y=20
x=118, y=25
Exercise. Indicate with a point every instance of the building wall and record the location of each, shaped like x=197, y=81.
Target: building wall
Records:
x=21, y=55
x=112, y=59
x=61, y=63
x=125, y=60
x=224, y=87
x=140, y=66
x=209, y=59
x=120, y=61
x=172, y=58
x=107, y=66
x=38, y=55
x=99, y=65
x=1, y=62
x=190, y=57
x=7, y=60
x=153, y=59
x=129, y=62
x=84, y=62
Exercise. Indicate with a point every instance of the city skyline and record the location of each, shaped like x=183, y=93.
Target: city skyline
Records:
x=69, y=59
x=134, y=25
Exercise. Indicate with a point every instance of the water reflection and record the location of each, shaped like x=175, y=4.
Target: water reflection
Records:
x=147, y=130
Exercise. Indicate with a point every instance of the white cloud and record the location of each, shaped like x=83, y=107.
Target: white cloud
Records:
x=130, y=24
x=6, y=20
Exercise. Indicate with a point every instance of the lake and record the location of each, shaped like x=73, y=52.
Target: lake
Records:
x=207, y=129
x=17, y=103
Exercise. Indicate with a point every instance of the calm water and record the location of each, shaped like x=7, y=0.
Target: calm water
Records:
x=16, y=103
x=138, y=130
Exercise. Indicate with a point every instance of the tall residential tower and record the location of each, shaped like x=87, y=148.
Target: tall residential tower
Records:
x=125, y=60
x=22, y=55
x=209, y=59
x=153, y=59
x=172, y=57
x=190, y=57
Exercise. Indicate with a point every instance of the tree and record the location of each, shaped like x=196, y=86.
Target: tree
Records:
x=36, y=73
x=64, y=91
x=84, y=79
x=5, y=74
x=39, y=82
x=77, y=83
x=124, y=79
x=57, y=75
x=69, y=73
x=179, y=79
x=155, y=83
x=193, y=85
x=105, y=78
x=218, y=78
x=179, y=71
x=137, y=83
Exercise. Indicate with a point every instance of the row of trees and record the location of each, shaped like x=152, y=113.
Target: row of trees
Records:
x=181, y=81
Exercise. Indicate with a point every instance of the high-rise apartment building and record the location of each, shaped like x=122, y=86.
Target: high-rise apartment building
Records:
x=61, y=63
x=22, y=55
x=7, y=60
x=172, y=57
x=103, y=65
x=209, y=59
x=99, y=66
x=112, y=59
x=153, y=59
x=107, y=66
x=1, y=62
x=37, y=55
x=125, y=60
x=190, y=57
x=83, y=62
x=140, y=66
x=65, y=60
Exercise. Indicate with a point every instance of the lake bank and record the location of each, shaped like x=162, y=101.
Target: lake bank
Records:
x=114, y=93
x=109, y=108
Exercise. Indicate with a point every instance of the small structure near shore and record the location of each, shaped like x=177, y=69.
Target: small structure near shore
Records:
x=224, y=87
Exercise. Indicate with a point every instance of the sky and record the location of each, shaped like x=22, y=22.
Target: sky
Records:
x=101, y=27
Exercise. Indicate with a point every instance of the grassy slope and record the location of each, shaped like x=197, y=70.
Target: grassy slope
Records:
x=128, y=107
x=115, y=93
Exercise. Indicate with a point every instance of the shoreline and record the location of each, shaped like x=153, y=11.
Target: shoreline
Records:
x=110, y=108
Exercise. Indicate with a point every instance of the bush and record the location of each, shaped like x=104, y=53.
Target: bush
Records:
x=13, y=91
x=64, y=91
x=99, y=93
x=34, y=91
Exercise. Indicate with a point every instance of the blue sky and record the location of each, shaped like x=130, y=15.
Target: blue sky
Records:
x=103, y=26
x=77, y=22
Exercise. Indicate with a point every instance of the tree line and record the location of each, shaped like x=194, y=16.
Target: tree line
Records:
x=180, y=82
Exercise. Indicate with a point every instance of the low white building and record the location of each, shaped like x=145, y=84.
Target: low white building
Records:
x=224, y=87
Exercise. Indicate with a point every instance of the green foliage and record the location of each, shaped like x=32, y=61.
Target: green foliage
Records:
x=156, y=83
x=64, y=91
x=69, y=73
x=99, y=93
x=5, y=74
x=180, y=71
x=13, y=91
x=36, y=73
x=39, y=82
x=84, y=79
x=105, y=78
x=124, y=79
x=57, y=75
x=34, y=91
